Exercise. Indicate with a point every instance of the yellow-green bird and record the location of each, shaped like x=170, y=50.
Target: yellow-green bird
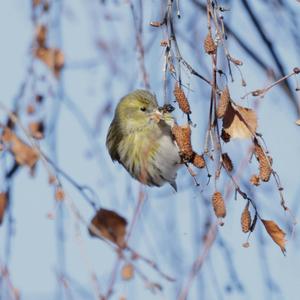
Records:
x=140, y=138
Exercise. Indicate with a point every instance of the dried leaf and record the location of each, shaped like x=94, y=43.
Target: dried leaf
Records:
x=276, y=233
x=239, y=122
x=23, y=154
x=127, y=272
x=111, y=226
x=227, y=163
x=53, y=58
x=223, y=103
x=59, y=194
x=255, y=180
x=37, y=130
x=3, y=205
x=155, y=24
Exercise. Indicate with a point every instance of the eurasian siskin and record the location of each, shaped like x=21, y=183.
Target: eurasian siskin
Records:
x=140, y=138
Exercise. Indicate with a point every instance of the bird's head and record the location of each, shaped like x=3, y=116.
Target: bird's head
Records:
x=137, y=110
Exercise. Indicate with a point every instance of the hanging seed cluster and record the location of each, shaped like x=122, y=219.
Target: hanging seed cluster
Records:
x=198, y=161
x=181, y=99
x=182, y=135
x=265, y=162
x=246, y=219
x=223, y=103
x=218, y=205
x=209, y=45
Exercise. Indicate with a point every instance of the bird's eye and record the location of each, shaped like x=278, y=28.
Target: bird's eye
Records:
x=143, y=108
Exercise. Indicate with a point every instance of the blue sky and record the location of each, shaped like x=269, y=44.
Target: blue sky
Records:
x=167, y=230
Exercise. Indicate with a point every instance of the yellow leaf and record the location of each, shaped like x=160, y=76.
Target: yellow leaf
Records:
x=276, y=233
x=239, y=122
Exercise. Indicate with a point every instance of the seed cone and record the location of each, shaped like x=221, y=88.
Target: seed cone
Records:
x=181, y=99
x=227, y=162
x=209, y=45
x=198, y=161
x=182, y=136
x=223, y=103
x=246, y=219
x=265, y=169
x=219, y=205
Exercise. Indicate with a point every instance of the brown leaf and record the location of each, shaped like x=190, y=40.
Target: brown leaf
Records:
x=59, y=194
x=3, y=205
x=239, y=122
x=127, y=272
x=52, y=57
x=276, y=233
x=227, y=163
x=23, y=153
x=111, y=226
x=255, y=180
x=37, y=130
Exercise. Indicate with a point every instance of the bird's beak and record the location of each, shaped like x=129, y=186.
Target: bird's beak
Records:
x=156, y=115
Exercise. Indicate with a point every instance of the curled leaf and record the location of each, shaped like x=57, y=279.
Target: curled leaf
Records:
x=110, y=225
x=239, y=122
x=3, y=205
x=276, y=233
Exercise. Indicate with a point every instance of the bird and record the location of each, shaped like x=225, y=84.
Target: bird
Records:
x=140, y=139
